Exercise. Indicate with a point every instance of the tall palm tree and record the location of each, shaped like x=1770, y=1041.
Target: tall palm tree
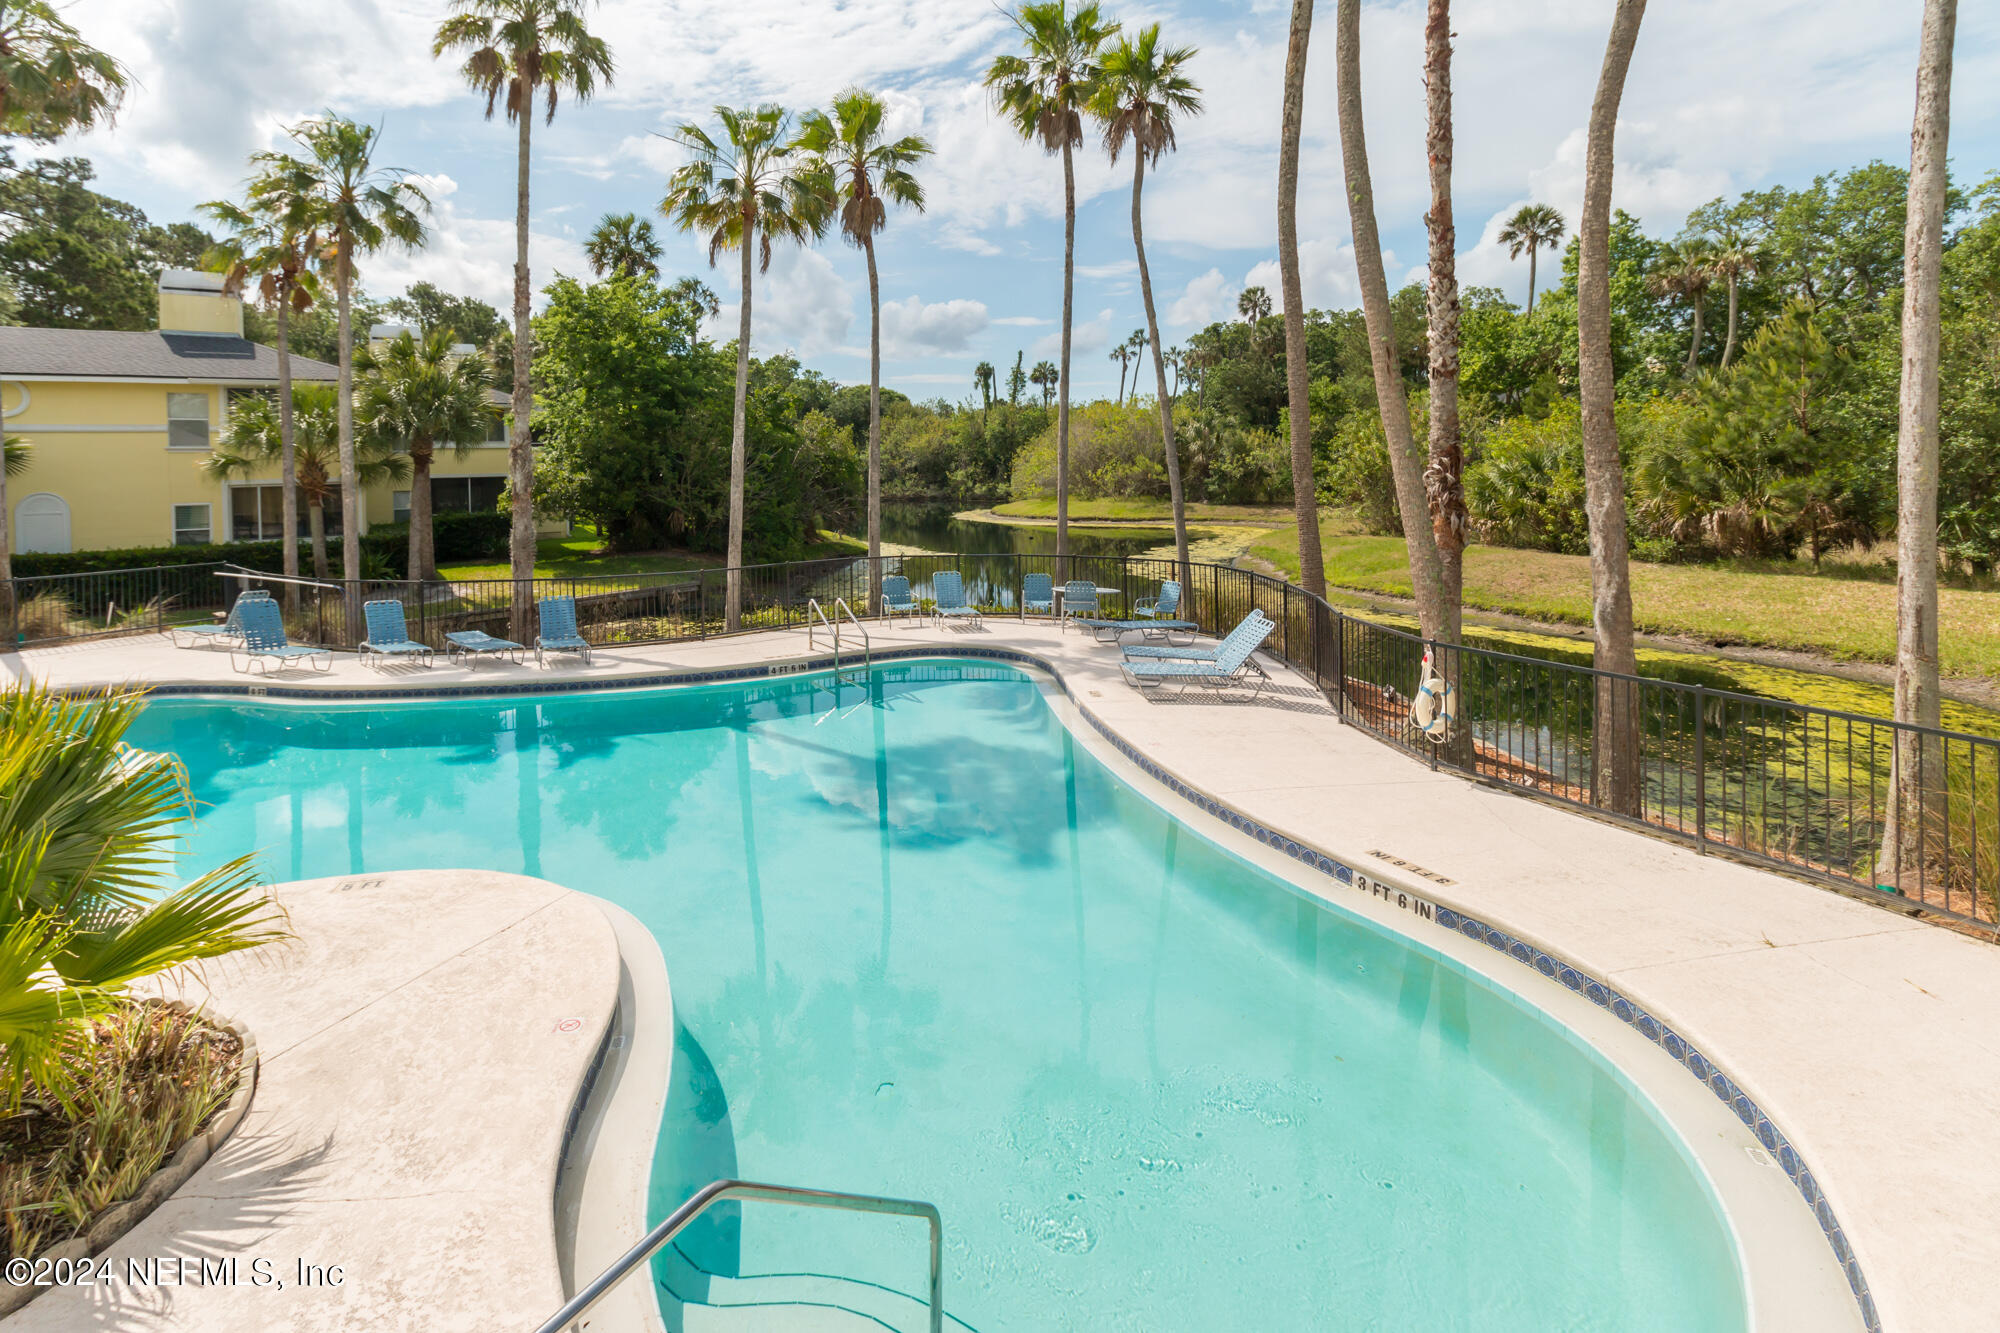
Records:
x=1042, y=92
x=1254, y=304
x=982, y=380
x=1045, y=376
x=1444, y=477
x=867, y=173
x=418, y=395
x=1733, y=258
x=1426, y=573
x=1143, y=90
x=52, y=82
x=753, y=188
x=1920, y=778
x=622, y=245
x=1298, y=385
x=1122, y=354
x=268, y=243
x=254, y=439
x=352, y=207
x=1684, y=270
x=1534, y=227
x=1615, y=773
x=516, y=51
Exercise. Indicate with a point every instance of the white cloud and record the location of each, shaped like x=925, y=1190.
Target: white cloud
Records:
x=1085, y=339
x=1023, y=321
x=802, y=305
x=911, y=328
x=1326, y=275
x=1206, y=300
x=473, y=256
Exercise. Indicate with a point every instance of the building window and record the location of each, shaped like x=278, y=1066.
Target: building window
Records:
x=496, y=429
x=192, y=525
x=187, y=421
x=256, y=513
x=399, y=507
x=476, y=495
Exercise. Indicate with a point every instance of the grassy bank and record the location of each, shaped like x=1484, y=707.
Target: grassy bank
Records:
x=579, y=557
x=1145, y=510
x=1842, y=618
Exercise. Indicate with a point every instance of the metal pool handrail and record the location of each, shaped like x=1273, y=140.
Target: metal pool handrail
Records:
x=698, y=1203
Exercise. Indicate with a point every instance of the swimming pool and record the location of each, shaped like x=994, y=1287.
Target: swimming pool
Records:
x=922, y=943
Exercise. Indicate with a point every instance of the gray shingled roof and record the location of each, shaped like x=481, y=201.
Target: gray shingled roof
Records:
x=32, y=353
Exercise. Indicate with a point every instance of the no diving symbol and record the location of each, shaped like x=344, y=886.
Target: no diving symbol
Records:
x=569, y=1025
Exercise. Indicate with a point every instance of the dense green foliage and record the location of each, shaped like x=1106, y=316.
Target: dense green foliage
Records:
x=459, y=537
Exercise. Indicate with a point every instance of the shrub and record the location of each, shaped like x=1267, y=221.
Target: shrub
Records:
x=459, y=536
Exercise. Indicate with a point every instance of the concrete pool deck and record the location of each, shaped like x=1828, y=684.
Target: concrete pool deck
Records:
x=1866, y=1036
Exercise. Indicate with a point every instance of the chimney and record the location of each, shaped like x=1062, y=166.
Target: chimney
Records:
x=194, y=302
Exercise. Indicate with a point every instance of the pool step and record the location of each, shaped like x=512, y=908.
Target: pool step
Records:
x=806, y=1302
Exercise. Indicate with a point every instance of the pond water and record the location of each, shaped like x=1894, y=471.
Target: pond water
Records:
x=936, y=527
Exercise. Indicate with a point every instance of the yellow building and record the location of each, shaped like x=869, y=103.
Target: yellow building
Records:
x=121, y=422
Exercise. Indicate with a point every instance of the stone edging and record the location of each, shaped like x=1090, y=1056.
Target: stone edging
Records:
x=1423, y=904
x=120, y=1218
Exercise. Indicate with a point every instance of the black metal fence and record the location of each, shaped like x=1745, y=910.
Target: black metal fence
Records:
x=1811, y=790
x=58, y=608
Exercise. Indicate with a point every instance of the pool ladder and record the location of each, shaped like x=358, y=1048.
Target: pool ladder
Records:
x=656, y=1239
x=816, y=618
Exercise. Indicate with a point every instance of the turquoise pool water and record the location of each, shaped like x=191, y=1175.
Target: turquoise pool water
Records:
x=923, y=944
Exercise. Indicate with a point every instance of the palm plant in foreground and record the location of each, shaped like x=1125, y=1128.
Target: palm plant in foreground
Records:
x=516, y=51
x=1533, y=227
x=866, y=173
x=1042, y=93
x=622, y=245
x=414, y=396
x=753, y=188
x=1142, y=91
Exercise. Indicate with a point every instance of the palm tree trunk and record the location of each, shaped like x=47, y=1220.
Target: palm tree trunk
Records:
x=1915, y=825
x=288, y=471
x=1729, y=343
x=1159, y=368
x=1694, y=344
x=1615, y=741
x=874, y=431
x=1124, y=364
x=316, y=526
x=520, y=450
x=1531, y=279
x=1444, y=479
x=732, y=612
x=1062, y=412
x=1426, y=575
x=1298, y=382
x=423, y=556
x=350, y=476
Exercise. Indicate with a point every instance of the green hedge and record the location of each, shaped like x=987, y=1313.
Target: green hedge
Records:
x=458, y=537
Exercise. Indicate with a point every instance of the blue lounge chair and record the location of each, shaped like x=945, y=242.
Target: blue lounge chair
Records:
x=224, y=632
x=477, y=643
x=1038, y=594
x=948, y=598
x=897, y=599
x=1079, y=600
x=264, y=641
x=389, y=635
x=1256, y=622
x=1231, y=665
x=558, y=634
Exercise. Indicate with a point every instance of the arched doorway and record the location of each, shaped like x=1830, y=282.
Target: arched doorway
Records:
x=41, y=524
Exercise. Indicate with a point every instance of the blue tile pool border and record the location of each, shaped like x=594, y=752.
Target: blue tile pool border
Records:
x=1551, y=966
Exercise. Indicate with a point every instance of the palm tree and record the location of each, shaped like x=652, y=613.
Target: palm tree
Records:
x=1920, y=778
x=523, y=49
x=416, y=396
x=1444, y=477
x=52, y=82
x=1142, y=90
x=1534, y=227
x=1017, y=383
x=982, y=380
x=254, y=439
x=1733, y=259
x=351, y=207
x=1684, y=270
x=1298, y=385
x=1042, y=92
x=1122, y=354
x=622, y=245
x=697, y=294
x=1045, y=376
x=1426, y=572
x=752, y=189
x=268, y=244
x=1254, y=304
x=1615, y=769
x=866, y=174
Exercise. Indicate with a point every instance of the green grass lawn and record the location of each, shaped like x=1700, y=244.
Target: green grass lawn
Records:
x=580, y=556
x=1159, y=510
x=1844, y=618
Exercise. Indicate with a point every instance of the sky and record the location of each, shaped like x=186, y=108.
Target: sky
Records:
x=1723, y=96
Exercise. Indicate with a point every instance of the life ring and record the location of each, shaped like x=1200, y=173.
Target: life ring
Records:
x=1435, y=707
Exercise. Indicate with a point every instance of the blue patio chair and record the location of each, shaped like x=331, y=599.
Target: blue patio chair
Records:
x=264, y=641
x=1163, y=607
x=477, y=643
x=558, y=632
x=389, y=635
x=1231, y=665
x=224, y=632
x=948, y=598
x=1038, y=594
x=1079, y=600
x=897, y=599
x=1255, y=627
